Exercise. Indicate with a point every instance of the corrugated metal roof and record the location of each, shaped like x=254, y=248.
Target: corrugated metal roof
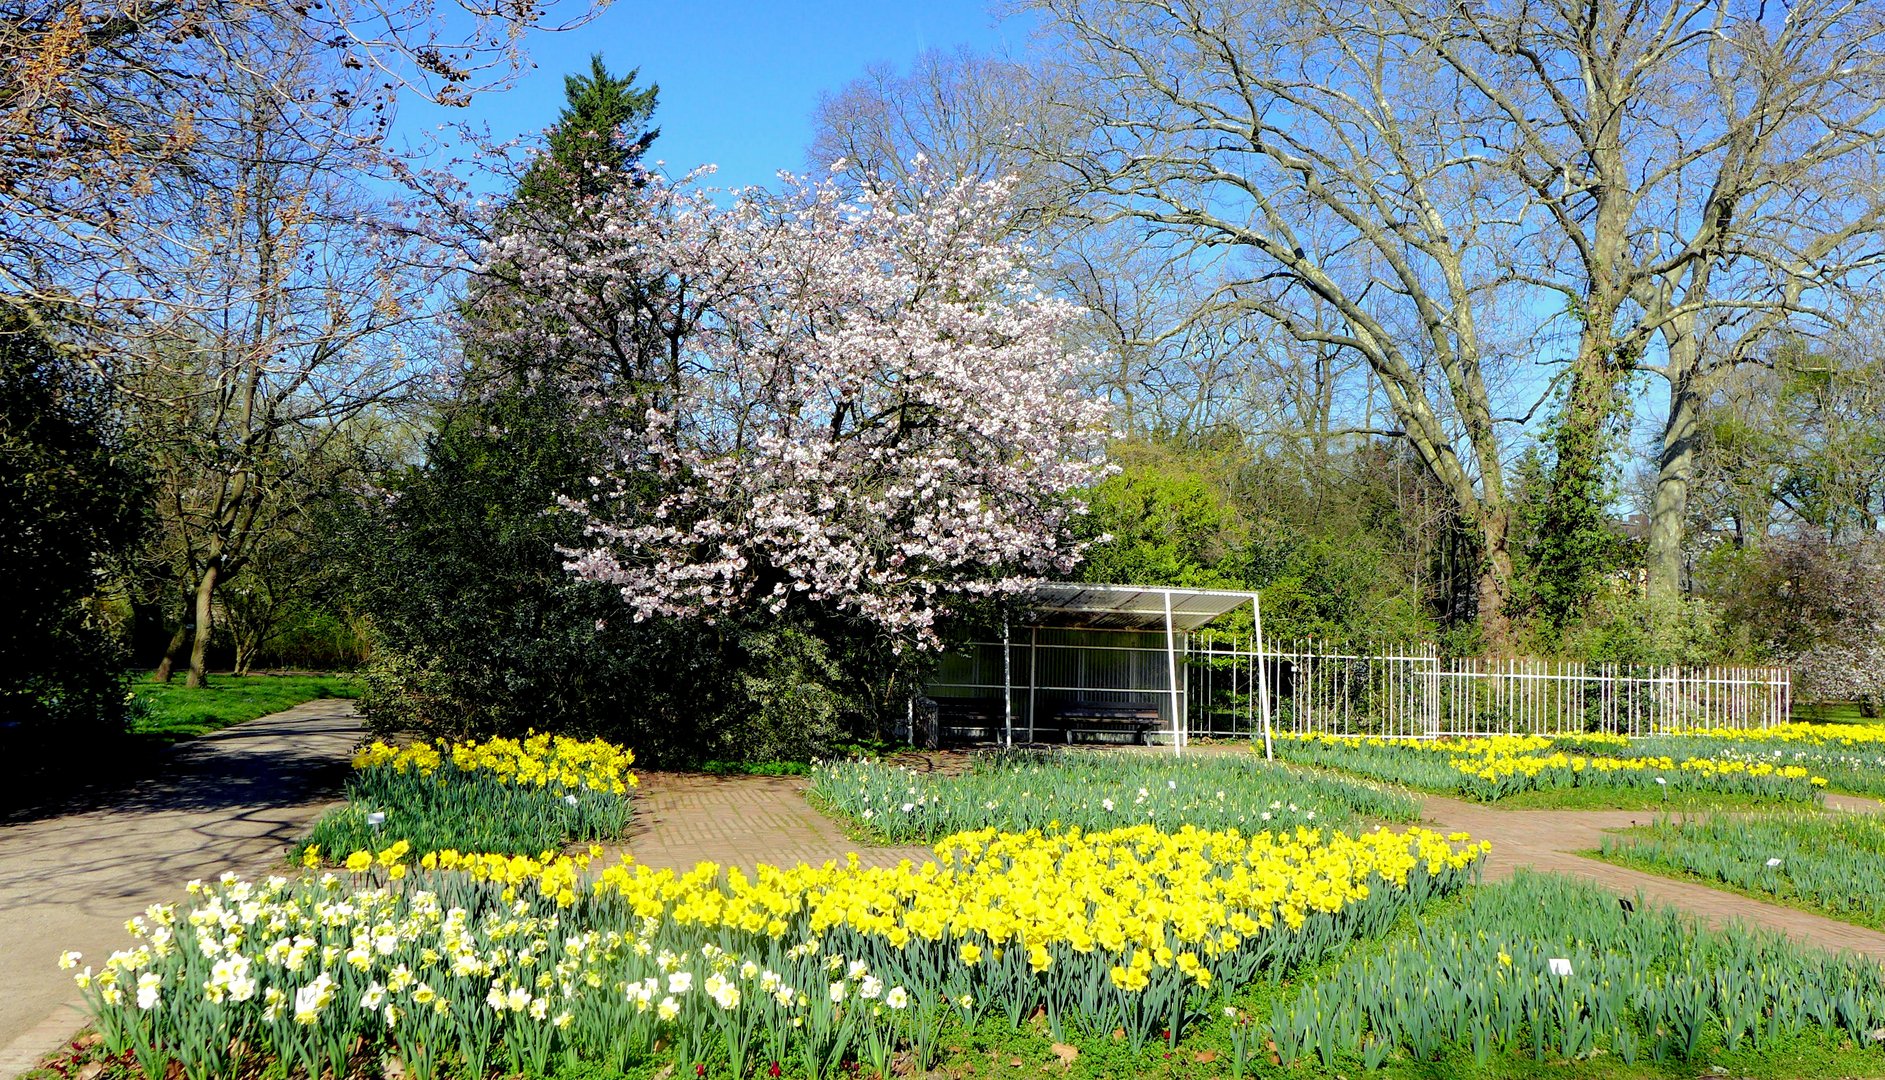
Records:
x=1129, y=607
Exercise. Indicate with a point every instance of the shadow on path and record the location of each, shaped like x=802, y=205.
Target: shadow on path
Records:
x=271, y=761
x=70, y=876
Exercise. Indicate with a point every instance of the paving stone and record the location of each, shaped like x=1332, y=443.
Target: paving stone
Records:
x=682, y=819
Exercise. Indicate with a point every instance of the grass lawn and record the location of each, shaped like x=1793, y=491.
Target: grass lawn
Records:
x=1834, y=712
x=173, y=711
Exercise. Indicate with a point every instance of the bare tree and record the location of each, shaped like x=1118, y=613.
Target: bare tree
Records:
x=991, y=117
x=1585, y=182
x=103, y=105
x=1186, y=107
x=289, y=302
x=955, y=113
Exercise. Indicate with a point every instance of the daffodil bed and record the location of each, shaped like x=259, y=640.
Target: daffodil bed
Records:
x=503, y=796
x=1097, y=790
x=474, y=965
x=1493, y=767
x=1851, y=757
x=1830, y=863
x=1554, y=970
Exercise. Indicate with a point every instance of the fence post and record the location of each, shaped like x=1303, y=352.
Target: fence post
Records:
x=1262, y=685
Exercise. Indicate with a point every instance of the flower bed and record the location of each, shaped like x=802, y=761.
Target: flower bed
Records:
x=469, y=965
x=505, y=796
x=1493, y=767
x=1851, y=757
x=1832, y=863
x=1088, y=790
x=1553, y=970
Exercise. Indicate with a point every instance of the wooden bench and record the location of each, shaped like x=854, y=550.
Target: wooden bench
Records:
x=1097, y=717
x=969, y=719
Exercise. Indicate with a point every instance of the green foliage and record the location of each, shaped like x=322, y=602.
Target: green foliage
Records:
x=1830, y=469
x=479, y=630
x=1566, y=545
x=1322, y=588
x=1476, y=987
x=603, y=128
x=70, y=507
x=1166, y=520
x=792, y=707
x=1624, y=626
x=311, y=634
x=1095, y=791
x=1830, y=863
x=171, y=711
x=1329, y=542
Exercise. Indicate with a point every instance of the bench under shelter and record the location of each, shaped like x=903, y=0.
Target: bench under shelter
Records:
x=1090, y=663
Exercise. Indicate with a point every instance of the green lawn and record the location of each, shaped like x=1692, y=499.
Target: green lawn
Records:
x=1832, y=712
x=172, y=712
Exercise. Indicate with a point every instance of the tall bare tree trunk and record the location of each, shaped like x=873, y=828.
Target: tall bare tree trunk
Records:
x=1494, y=585
x=199, y=648
x=1669, y=508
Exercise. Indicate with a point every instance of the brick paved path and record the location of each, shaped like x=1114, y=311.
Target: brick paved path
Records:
x=685, y=818
x=1549, y=840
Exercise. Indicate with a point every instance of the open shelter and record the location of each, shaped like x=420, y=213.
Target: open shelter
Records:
x=1105, y=663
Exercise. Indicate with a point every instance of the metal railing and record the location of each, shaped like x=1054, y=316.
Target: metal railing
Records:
x=1412, y=692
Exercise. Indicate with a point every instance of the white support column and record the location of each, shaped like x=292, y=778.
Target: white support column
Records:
x=1263, y=677
x=1171, y=669
x=1007, y=686
x=1034, y=677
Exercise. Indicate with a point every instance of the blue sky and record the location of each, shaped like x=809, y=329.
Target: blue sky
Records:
x=739, y=79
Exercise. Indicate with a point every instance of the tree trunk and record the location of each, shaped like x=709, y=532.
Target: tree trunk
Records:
x=1669, y=510
x=1494, y=586
x=173, y=652
x=199, y=648
x=247, y=645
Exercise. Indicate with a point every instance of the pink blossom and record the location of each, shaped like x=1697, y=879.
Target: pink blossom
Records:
x=869, y=409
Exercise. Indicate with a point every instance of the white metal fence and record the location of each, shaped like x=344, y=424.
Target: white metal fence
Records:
x=1415, y=692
